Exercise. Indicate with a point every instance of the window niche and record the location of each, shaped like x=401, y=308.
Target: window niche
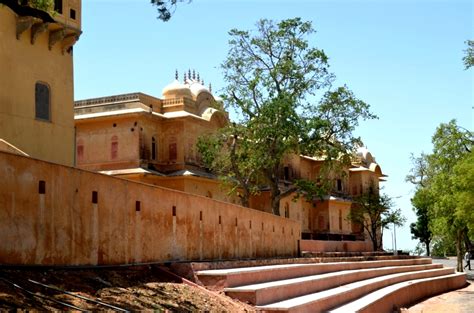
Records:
x=153, y=148
x=114, y=148
x=58, y=6
x=42, y=102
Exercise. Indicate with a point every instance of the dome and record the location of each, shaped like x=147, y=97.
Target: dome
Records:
x=197, y=88
x=176, y=90
x=365, y=155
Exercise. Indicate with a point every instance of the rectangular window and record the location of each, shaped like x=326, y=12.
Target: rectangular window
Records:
x=42, y=102
x=42, y=187
x=137, y=206
x=339, y=185
x=72, y=14
x=153, y=148
x=58, y=6
x=95, y=197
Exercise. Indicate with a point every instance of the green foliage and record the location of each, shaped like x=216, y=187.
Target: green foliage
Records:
x=166, y=8
x=468, y=59
x=443, y=246
x=45, y=5
x=273, y=76
x=422, y=202
x=446, y=190
x=373, y=212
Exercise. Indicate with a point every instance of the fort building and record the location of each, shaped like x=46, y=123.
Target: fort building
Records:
x=36, y=81
x=153, y=140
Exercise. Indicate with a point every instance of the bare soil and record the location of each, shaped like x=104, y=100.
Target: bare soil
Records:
x=129, y=288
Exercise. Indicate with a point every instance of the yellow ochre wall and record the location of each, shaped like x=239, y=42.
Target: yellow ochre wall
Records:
x=96, y=139
x=64, y=226
x=22, y=64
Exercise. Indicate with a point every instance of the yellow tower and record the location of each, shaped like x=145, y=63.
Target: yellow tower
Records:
x=36, y=77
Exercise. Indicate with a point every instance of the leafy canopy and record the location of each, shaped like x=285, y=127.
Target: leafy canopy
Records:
x=166, y=8
x=468, y=59
x=444, y=181
x=373, y=212
x=273, y=78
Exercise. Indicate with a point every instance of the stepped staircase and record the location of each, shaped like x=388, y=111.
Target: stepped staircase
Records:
x=380, y=284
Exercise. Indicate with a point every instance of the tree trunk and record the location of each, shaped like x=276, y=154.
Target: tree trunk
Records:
x=427, y=245
x=373, y=237
x=459, y=238
x=275, y=195
x=245, y=200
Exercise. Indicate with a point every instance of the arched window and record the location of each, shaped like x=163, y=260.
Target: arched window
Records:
x=153, y=148
x=173, y=151
x=42, y=102
x=114, y=148
x=80, y=150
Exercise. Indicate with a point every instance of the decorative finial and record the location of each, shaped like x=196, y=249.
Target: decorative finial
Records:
x=198, y=78
x=176, y=74
x=189, y=74
x=184, y=77
x=194, y=75
x=202, y=82
x=210, y=87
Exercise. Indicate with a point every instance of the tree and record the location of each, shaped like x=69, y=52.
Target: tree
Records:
x=468, y=59
x=373, y=213
x=229, y=156
x=450, y=145
x=273, y=77
x=447, y=186
x=166, y=8
x=422, y=202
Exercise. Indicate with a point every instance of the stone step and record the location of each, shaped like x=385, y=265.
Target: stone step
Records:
x=322, y=301
x=233, y=277
x=403, y=294
x=268, y=292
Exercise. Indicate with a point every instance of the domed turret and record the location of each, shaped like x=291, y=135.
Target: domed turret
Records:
x=176, y=90
x=364, y=154
x=196, y=88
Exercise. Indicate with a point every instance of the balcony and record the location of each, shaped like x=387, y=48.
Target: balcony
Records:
x=39, y=22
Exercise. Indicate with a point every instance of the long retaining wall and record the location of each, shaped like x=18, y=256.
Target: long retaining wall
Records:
x=335, y=246
x=57, y=215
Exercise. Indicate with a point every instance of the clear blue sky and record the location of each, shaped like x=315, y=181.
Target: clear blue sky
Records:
x=402, y=57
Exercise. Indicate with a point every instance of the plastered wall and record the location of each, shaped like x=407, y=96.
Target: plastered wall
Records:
x=48, y=217
x=22, y=65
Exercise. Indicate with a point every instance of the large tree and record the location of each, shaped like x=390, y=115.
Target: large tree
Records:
x=447, y=186
x=274, y=82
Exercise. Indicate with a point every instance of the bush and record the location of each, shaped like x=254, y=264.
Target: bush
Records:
x=45, y=5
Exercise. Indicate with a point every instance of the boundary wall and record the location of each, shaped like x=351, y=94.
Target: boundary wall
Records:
x=57, y=215
x=336, y=246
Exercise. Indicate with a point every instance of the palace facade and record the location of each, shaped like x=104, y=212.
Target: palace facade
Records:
x=153, y=140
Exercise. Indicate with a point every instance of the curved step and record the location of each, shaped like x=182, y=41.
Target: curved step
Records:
x=403, y=294
x=327, y=299
x=268, y=292
x=258, y=274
